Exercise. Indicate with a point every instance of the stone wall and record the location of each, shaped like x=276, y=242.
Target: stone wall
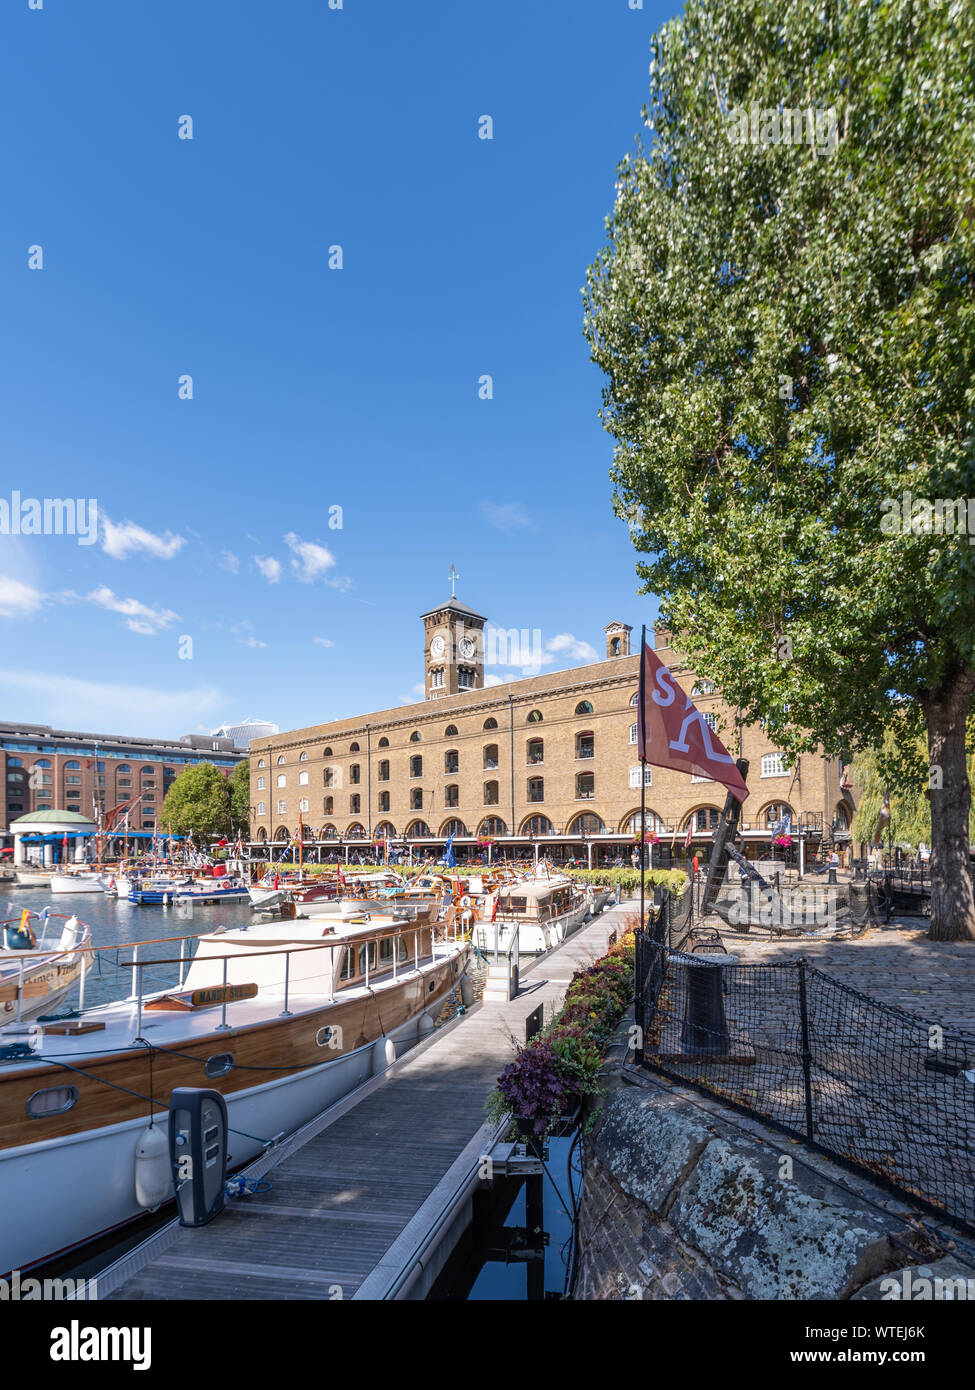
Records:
x=684, y=1200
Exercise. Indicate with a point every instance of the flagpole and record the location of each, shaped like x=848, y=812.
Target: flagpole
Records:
x=643, y=778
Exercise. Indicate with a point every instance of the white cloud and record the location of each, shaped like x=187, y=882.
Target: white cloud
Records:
x=309, y=560
x=139, y=617
x=566, y=644
x=229, y=561
x=269, y=567
x=491, y=679
x=18, y=600
x=418, y=693
x=120, y=539
x=323, y=642
x=506, y=516
x=250, y=642
x=136, y=710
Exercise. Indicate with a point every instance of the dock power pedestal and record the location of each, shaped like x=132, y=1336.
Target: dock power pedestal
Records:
x=198, y=1152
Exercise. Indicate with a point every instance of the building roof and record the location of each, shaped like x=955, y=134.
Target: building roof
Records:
x=455, y=606
x=53, y=817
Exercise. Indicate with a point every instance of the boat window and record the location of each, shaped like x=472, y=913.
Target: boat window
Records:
x=386, y=949
x=219, y=1064
x=517, y=904
x=371, y=947
x=403, y=953
x=324, y=1036
x=348, y=965
x=55, y=1100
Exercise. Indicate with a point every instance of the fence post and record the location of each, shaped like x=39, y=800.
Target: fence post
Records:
x=806, y=1052
x=639, y=995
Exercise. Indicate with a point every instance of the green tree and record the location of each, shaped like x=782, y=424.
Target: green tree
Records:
x=240, y=796
x=788, y=336
x=198, y=802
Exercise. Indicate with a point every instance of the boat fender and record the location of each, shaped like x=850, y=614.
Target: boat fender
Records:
x=383, y=1055
x=153, y=1172
x=426, y=1025
x=466, y=990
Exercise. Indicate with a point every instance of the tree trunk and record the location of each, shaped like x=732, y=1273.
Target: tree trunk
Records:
x=952, y=901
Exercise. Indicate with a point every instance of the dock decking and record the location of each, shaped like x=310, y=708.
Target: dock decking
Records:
x=358, y=1195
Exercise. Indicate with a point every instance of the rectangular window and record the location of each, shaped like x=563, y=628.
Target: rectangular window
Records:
x=633, y=729
x=303, y=804
x=773, y=765
x=635, y=776
x=261, y=808
x=303, y=779
x=280, y=808
x=260, y=784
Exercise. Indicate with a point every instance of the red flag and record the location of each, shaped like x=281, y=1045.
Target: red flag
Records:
x=672, y=732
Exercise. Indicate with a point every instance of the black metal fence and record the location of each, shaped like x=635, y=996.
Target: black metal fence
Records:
x=879, y=1089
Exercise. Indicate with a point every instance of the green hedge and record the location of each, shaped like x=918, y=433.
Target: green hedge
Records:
x=628, y=879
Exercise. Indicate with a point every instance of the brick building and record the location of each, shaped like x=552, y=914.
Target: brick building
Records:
x=55, y=769
x=548, y=762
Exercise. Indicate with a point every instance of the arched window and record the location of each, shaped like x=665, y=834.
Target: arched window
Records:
x=353, y=748
x=384, y=743
x=327, y=753
x=282, y=833
x=43, y=762
x=453, y=827
x=450, y=731
x=148, y=770
x=492, y=825
x=491, y=797
x=635, y=699
x=451, y=760
x=537, y=825
x=355, y=832
x=385, y=830
x=632, y=823
x=384, y=801
x=451, y=794
x=68, y=767
x=777, y=811
x=19, y=762
x=490, y=724
x=303, y=758
x=419, y=830
x=586, y=824
x=414, y=737
x=122, y=767
x=586, y=744
x=535, y=751
x=703, y=688
x=490, y=756
x=584, y=707
x=260, y=762
x=281, y=760
x=329, y=832
x=705, y=818
x=535, y=717
x=261, y=833
x=614, y=646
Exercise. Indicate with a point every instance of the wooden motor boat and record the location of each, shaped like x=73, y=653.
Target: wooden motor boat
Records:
x=282, y=1019
x=42, y=957
x=544, y=910
x=79, y=882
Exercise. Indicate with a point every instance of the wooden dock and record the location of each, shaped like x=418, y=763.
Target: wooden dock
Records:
x=368, y=1200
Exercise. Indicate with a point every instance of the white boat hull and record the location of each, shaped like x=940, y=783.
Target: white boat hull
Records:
x=73, y=1189
x=76, y=883
x=533, y=937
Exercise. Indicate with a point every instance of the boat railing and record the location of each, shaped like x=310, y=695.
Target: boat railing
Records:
x=141, y=967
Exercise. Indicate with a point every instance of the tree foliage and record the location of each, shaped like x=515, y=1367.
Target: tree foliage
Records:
x=240, y=796
x=198, y=803
x=788, y=338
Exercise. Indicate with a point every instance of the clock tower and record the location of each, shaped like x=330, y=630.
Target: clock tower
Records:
x=453, y=647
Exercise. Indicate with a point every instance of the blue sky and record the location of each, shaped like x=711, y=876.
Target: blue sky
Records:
x=313, y=388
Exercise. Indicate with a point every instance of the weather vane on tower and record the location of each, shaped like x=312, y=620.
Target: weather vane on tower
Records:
x=453, y=576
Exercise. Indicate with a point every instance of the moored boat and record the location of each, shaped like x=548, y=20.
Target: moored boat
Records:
x=42, y=958
x=283, y=1020
x=84, y=882
x=544, y=911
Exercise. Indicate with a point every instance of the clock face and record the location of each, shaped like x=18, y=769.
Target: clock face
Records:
x=437, y=646
x=467, y=647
